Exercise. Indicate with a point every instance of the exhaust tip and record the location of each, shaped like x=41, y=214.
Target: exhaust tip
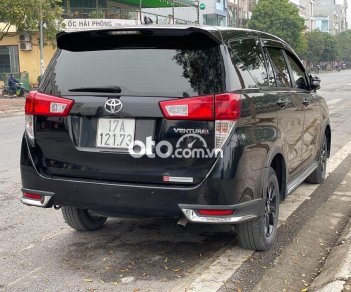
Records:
x=182, y=222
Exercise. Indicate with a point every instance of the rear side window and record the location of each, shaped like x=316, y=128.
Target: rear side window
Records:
x=280, y=68
x=247, y=56
x=138, y=71
x=298, y=74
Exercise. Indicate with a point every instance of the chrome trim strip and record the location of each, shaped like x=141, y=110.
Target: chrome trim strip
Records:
x=298, y=180
x=31, y=202
x=193, y=217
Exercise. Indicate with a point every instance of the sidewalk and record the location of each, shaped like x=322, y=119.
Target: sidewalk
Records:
x=336, y=272
x=11, y=105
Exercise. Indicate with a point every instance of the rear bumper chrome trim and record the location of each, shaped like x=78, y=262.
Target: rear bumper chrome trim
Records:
x=193, y=217
x=242, y=212
x=37, y=203
x=44, y=202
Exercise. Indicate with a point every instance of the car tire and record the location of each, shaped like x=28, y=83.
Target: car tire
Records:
x=259, y=234
x=318, y=175
x=81, y=219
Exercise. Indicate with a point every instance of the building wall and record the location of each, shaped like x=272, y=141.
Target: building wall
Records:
x=341, y=11
x=29, y=61
x=306, y=11
x=240, y=11
x=326, y=8
x=214, y=9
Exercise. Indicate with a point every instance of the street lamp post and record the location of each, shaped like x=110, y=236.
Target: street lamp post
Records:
x=41, y=42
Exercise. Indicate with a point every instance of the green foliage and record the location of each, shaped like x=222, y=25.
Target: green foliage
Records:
x=331, y=49
x=301, y=47
x=322, y=47
x=280, y=18
x=25, y=16
x=316, y=45
x=344, y=40
x=97, y=14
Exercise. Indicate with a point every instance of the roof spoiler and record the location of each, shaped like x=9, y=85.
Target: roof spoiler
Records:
x=133, y=37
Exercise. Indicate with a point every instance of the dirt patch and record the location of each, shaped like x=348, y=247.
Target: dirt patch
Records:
x=11, y=105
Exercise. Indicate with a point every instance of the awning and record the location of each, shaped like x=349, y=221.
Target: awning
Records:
x=157, y=3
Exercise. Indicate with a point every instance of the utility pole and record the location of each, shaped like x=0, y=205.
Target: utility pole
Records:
x=172, y=11
x=41, y=42
x=238, y=14
x=198, y=11
x=140, y=7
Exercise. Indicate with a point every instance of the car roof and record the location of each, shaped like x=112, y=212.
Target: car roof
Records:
x=220, y=32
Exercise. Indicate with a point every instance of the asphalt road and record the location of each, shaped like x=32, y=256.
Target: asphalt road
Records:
x=39, y=252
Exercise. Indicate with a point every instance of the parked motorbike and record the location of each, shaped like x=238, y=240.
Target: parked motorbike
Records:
x=19, y=92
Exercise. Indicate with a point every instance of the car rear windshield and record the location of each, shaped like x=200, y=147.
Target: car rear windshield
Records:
x=171, y=72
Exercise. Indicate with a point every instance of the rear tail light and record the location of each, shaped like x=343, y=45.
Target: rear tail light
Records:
x=227, y=113
x=222, y=130
x=194, y=108
x=227, y=106
x=39, y=104
x=216, y=212
x=224, y=109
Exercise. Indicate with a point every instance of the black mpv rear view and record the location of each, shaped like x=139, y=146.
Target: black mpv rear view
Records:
x=213, y=125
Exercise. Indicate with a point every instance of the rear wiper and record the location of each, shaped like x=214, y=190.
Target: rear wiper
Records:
x=112, y=89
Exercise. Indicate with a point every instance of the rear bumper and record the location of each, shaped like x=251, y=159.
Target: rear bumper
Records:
x=115, y=199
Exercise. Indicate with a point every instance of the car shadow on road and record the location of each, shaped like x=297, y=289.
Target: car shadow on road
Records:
x=143, y=249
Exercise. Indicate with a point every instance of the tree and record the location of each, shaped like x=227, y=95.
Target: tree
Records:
x=280, y=18
x=315, y=45
x=322, y=47
x=344, y=41
x=331, y=48
x=25, y=15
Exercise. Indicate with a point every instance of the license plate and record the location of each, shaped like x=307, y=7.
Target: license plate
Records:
x=115, y=133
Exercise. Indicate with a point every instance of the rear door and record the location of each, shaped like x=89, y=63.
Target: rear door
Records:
x=311, y=131
x=290, y=110
x=117, y=80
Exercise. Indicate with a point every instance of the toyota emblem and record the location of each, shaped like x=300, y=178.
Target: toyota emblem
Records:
x=113, y=105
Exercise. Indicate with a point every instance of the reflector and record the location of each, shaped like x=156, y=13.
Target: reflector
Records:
x=216, y=212
x=32, y=196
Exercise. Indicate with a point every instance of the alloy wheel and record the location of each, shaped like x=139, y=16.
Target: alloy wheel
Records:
x=270, y=209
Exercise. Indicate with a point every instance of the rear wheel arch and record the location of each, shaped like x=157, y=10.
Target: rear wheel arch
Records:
x=277, y=161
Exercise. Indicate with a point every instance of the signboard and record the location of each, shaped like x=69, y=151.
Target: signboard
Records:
x=202, y=6
x=91, y=23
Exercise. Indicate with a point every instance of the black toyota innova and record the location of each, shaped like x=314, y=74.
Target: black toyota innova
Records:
x=214, y=125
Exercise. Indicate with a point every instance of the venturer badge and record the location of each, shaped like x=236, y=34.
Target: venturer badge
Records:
x=178, y=179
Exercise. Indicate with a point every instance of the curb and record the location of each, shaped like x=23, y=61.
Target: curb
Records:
x=337, y=268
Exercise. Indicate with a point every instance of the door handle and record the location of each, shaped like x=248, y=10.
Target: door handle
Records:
x=282, y=103
x=306, y=102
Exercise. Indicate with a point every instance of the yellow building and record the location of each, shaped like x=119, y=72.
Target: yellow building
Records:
x=23, y=56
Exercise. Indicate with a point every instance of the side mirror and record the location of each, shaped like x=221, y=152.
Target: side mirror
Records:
x=315, y=82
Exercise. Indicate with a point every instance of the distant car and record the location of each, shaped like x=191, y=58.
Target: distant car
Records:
x=343, y=66
x=215, y=125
